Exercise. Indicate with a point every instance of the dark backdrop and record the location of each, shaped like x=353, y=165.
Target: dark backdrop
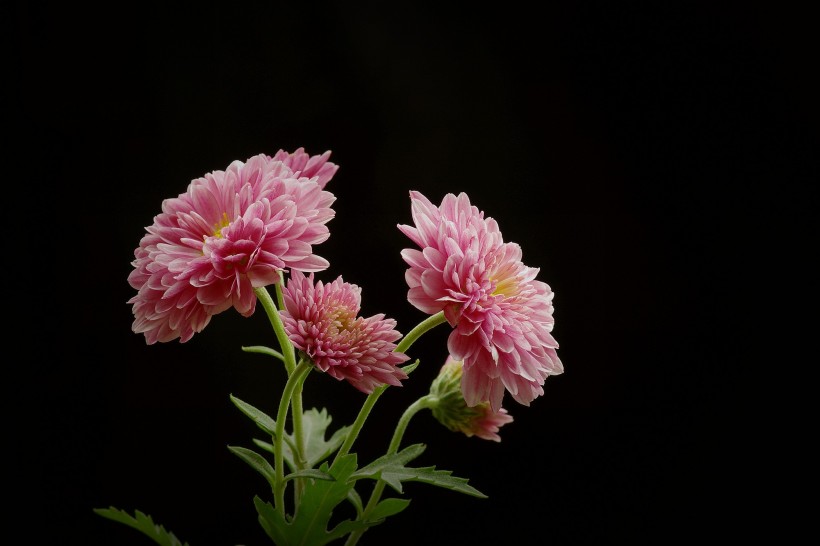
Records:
x=622, y=147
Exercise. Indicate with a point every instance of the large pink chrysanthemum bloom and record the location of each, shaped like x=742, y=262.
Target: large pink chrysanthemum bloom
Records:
x=321, y=320
x=502, y=317
x=451, y=410
x=231, y=232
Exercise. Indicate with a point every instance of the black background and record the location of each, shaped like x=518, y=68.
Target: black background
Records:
x=631, y=152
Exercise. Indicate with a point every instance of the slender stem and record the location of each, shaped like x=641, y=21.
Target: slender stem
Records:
x=279, y=466
x=280, y=299
x=357, y=425
x=422, y=327
x=299, y=435
x=279, y=328
x=423, y=402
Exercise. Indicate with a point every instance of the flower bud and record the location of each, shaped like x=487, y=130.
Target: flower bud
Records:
x=451, y=410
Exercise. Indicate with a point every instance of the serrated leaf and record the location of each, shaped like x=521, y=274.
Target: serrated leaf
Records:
x=272, y=522
x=256, y=461
x=388, y=507
x=397, y=460
x=314, y=428
x=308, y=527
x=441, y=478
x=391, y=469
x=143, y=523
x=310, y=473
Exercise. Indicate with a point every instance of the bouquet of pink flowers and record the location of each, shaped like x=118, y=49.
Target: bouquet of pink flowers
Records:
x=234, y=233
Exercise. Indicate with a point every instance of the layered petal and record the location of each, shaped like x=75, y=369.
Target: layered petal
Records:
x=322, y=321
x=502, y=317
x=230, y=232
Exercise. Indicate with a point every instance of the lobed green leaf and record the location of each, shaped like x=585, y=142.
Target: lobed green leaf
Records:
x=308, y=526
x=392, y=470
x=143, y=523
x=314, y=427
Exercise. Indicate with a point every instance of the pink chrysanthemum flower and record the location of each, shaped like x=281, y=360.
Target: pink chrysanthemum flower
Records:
x=502, y=316
x=231, y=232
x=451, y=410
x=321, y=320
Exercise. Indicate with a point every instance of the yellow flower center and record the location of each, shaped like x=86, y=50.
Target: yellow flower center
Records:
x=340, y=320
x=506, y=287
x=219, y=226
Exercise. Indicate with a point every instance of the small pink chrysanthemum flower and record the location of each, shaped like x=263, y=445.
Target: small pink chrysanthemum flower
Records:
x=321, y=320
x=451, y=410
x=501, y=315
x=230, y=232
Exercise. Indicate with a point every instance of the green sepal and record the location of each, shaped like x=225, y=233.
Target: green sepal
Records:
x=256, y=461
x=143, y=523
x=391, y=470
x=410, y=367
x=308, y=526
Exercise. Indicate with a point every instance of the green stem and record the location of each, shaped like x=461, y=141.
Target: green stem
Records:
x=423, y=402
x=279, y=328
x=280, y=299
x=294, y=381
x=422, y=327
x=298, y=435
x=357, y=425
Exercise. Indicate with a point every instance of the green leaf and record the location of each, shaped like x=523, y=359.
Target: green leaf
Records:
x=388, y=507
x=143, y=523
x=314, y=428
x=266, y=423
x=391, y=469
x=267, y=446
x=263, y=421
x=265, y=351
x=256, y=461
x=308, y=527
x=429, y=474
x=272, y=522
x=390, y=461
x=310, y=473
